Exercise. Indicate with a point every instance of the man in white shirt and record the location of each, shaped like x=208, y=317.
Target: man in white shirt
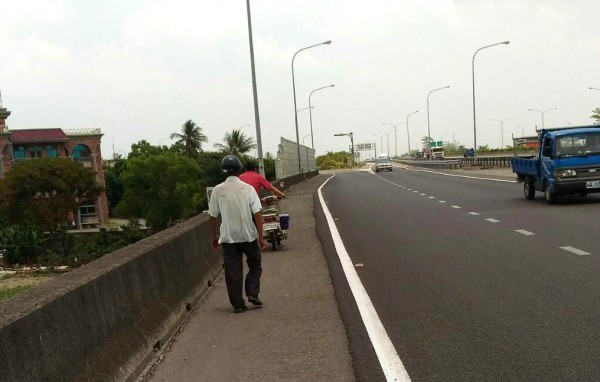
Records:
x=237, y=203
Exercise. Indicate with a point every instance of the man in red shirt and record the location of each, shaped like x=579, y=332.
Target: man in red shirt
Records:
x=257, y=181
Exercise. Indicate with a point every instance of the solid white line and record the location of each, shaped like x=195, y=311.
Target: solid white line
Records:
x=575, y=251
x=524, y=232
x=390, y=362
x=492, y=220
x=462, y=176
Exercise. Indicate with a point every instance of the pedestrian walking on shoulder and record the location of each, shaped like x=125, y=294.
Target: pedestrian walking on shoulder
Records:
x=239, y=234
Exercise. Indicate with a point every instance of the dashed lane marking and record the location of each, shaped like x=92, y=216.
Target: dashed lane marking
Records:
x=455, y=206
x=474, y=213
x=575, y=251
x=524, y=232
x=491, y=220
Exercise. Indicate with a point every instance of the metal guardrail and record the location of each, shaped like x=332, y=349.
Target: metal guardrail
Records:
x=455, y=164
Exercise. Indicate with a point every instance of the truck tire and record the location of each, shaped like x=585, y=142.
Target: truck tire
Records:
x=549, y=195
x=529, y=188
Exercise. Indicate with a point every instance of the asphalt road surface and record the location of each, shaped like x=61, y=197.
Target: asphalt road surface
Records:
x=471, y=281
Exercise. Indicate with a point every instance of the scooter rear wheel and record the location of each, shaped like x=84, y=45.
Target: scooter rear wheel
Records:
x=274, y=243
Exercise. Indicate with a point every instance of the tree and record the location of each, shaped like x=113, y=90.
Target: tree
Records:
x=112, y=181
x=236, y=143
x=42, y=192
x=144, y=148
x=191, y=138
x=161, y=188
x=596, y=115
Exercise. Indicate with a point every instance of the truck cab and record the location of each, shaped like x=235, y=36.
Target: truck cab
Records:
x=567, y=163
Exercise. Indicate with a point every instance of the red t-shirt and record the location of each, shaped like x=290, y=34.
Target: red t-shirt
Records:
x=255, y=180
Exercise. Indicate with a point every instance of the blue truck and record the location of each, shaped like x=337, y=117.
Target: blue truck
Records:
x=567, y=163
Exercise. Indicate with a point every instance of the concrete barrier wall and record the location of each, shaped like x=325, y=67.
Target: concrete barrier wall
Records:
x=102, y=322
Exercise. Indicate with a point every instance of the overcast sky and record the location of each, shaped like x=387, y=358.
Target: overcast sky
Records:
x=139, y=69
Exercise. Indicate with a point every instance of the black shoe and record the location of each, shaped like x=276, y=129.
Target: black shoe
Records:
x=254, y=300
x=241, y=309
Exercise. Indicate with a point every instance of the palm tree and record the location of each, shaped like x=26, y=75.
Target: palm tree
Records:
x=191, y=138
x=236, y=143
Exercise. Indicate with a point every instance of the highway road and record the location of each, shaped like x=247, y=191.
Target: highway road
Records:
x=470, y=281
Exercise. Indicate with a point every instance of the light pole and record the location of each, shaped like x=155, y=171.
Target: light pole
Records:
x=351, y=135
x=591, y=88
x=312, y=140
x=522, y=130
x=395, y=137
x=307, y=162
x=473, y=72
x=543, y=112
x=501, y=128
x=296, y=107
x=407, y=131
x=381, y=144
x=428, y=130
x=387, y=140
x=261, y=164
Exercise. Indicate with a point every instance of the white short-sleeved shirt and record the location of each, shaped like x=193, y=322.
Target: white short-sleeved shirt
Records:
x=236, y=202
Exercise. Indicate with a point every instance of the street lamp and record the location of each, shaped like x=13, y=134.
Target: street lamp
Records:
x=351, y=135
x=307, y=162
x=473, y=72
x=591, y=88
x=261, y=165
x=395, y=138
x=407, y=132
x=310, y=111
x=387, y=139
x=381, y=143
x=428, y=131
x=296, y=107
x=501, y=128
x=543, y=112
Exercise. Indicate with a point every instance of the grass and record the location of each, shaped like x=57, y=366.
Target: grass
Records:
x=10, y=292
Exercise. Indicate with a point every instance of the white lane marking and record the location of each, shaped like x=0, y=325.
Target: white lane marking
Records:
x=474, y=213
x=390, y=362
x=455, y=206
x=491, y=220
x=575, y=251
x=524, y=232
x=432, y=197
x=422, y=194
x=441, y=201
x=415, y=191
x=462, y=176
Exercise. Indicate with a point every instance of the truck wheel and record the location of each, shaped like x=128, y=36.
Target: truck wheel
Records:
x=549, y=195
x=529, y=188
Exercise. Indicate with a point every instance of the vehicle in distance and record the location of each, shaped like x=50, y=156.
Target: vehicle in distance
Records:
x=567, y=163
x=383, y=164
x=469, y=153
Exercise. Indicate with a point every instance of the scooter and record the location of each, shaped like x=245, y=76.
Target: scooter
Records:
x=274, y=231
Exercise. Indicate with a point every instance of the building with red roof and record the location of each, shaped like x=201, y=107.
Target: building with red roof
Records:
x=79, y=145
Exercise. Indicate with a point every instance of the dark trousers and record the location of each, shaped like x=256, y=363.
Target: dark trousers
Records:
x=233, y=254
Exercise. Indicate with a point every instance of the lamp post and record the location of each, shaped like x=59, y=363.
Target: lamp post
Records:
x=473, y=73
x=522, y=130
x=351, y=135
x=543, y=112
x=501, y=129
x=591, y=88
x=395, y=138
x=307, y=162
x=312, y=140
x=428, y=130
x=261, y=164
x=387, y=140
x=381, y=143
x=295, y=107
x=407, y=131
